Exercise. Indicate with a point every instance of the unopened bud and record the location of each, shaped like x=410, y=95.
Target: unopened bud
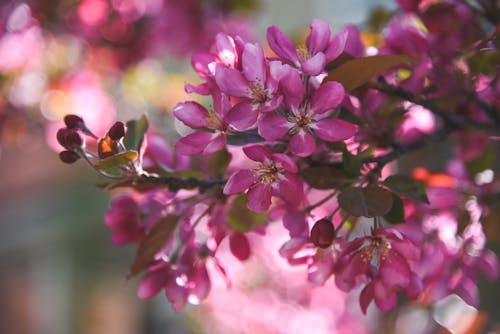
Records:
x=69, y=157
x=69, y=138
x=322, y=233
x=73, y=121
x=117, y=131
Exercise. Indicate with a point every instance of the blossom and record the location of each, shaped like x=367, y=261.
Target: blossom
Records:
x=307, y=115
x=253, y=86
x=274, y=173
x=318, y=51
x=123, y=219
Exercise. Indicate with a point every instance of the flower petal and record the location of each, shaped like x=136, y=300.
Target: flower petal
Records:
x=291, y=189
x=282, y=45
x=253, y=63
x=226, y=49
x=239, y=181
x=315, y=65
x=337, y=45
x=273, y=126
x=259, y=197
x=286, y=162
x=216, y=143
x=193, y=143
x=332, y=129
x=192, y=114
x=302, y=144
x=231, y=81
x=385, y=298
x=257, y=152
x=292, y=87
x=296, y=224
x=327, y=97
x=394, y=270
x=319, y=37
x=152, y=283
x=366, y=297
x=242, y=116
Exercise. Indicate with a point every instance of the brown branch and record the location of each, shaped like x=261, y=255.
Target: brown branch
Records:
x=175, y=183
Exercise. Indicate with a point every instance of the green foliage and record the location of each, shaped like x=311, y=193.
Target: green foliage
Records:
x=406, y=186
x=136, y=129
x=116, y=160
x=243, y=219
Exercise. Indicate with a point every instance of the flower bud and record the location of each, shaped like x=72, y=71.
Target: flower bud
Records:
x=239, y=246
x=322, y=233
x=69, y=138
x=69, y=157
x=117, y=131
x=73, y=121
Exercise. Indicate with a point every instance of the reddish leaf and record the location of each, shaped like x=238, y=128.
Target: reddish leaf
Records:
x=357, y=72
x=323, y=177
x=369, y=202
x=152, y=243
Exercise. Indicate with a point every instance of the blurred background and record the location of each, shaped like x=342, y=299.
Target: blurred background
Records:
x=119, y=59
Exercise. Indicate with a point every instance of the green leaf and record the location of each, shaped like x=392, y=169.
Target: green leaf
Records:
x=153, y=242
x=356, y=72
x=483, y=162
x=116, y=160
x=217, y=164
x=136, y=129
x=369, y=202
x=350, y=163
x=406, y=186
x=243, y=219
x=397, y=213
x=324, y=177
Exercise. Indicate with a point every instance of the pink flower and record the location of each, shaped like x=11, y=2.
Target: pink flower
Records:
x=123, y=219
x=318, y=51
x=274, y=174
x=196, y=116
x=254, y=86
x=382, y=258
x=306, y=115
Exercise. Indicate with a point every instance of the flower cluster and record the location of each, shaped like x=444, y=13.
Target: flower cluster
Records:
x=304, y=136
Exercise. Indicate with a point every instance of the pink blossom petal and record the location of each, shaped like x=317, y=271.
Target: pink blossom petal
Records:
x=192, y=114
x=202, y=284
x=194, y=143
x=302, y=144
x=126, y=234
x=226, y=49
x=394, y=270
x=337, y=45
x=327, y=97
x=291, y=189
x=242, y=116
x=177, y=295
x=385, y=298
x=239, y=246
x=296, y=224
x=152, y=283
x=253, y=63
x=293, y=88
x=282, y=45
x=200, y=62
x=257, y=152
x=239, y=181
x=488, y=264
x=259, y=197
x=293, y=246
x=217, y=142
x=319, y=37
x=332, y=129
x=231, y=82
x=315, y=65
x=467, y=290
x=286, y=162
x=202, y=89
x=270, y=105
x=366, y=296
x=273, y=126
x=320, y=271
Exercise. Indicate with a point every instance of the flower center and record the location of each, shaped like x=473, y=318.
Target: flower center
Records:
x=300, y=121
x=215, y=121
x=303, y=53
x=268, y=172
x=375, y=250
x=258, y=92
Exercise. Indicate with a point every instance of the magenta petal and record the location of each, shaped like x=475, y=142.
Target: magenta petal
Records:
x=327, y=97
x=319, y=37
x=253, y=63
x=152, y=283
x=366, y=297
x=286, y=162
x=272, y=126
x=200, y=62
x=216, y=143
x=257, y=152
x=467, y=290
x=193, y=143
x=302, y=144
x=226, y=49
x=394, y=270
x=296, y=224
x=281, y=44
x=259, y=197
x=291, y=189
x=332, y=129
x=177, y=295
x=337, y=45
x=315, y=65
x=242, y=116
x=231, y=81
x=201, y=281
x=192, y=114
x=239, y=181
x=488, y=264
x=293, y=88
x=385, y=298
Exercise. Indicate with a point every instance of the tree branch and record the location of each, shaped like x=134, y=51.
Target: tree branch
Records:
x=176, y=183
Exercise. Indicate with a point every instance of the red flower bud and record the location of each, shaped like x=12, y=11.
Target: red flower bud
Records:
x=117, y=131
x=239, y=246
x=69, y=138
x=322, y=233
x=69, y=157
x=73, y=121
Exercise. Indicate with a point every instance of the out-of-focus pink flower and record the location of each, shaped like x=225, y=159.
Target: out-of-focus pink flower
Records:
x=274, y=174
